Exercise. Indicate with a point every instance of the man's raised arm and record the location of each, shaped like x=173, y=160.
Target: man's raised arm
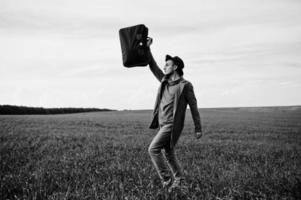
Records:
x=152, y=63
x=155, y=68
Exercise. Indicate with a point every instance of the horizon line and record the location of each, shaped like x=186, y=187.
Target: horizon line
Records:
x=125, y=109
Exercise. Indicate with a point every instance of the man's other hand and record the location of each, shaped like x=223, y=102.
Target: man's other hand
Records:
x=198, y=135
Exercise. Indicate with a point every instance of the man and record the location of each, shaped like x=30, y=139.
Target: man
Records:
x=169, y=114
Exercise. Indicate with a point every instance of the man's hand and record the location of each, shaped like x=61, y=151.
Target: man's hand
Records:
x=149, y=41
x=198, y=135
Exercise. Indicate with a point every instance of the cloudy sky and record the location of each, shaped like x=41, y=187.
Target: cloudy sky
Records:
x=61, y=53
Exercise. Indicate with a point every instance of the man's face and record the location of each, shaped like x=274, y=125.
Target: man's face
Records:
x=169, y=67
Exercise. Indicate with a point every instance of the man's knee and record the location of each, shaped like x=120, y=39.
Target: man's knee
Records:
x=152, y=150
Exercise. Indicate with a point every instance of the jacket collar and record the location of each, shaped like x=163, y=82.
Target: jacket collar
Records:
x=165, y=79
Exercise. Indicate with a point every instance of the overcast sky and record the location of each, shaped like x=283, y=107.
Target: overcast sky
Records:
x=61, y=53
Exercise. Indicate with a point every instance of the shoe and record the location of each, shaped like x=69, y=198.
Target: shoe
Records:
x=178, y=185
x=167, y=184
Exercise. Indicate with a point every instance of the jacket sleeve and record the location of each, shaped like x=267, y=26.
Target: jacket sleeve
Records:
x=155, y=68
x=190, y=98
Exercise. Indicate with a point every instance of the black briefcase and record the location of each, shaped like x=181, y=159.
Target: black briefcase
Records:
x=133, y=41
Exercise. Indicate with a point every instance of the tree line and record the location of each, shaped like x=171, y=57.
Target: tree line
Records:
x=24, y=110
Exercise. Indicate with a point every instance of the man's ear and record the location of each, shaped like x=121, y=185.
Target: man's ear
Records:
x=175, y=67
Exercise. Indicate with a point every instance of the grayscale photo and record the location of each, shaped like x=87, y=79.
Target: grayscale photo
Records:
x=150, y=100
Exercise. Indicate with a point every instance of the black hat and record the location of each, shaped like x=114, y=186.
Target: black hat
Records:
x=177, y=61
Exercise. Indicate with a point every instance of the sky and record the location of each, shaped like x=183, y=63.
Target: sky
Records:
x=66, y=53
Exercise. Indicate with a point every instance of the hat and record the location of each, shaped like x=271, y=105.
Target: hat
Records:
x=177, y=61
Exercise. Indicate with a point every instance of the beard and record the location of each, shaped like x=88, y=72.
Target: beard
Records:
x=168, y=75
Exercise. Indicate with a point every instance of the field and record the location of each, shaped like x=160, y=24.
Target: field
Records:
x=247, y=153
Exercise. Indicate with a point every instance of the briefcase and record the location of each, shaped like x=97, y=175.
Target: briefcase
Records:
x=133, y=41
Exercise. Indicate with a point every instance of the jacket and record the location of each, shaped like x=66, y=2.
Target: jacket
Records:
x=185, y=95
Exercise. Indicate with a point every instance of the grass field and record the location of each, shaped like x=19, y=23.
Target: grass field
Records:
x=247, y=153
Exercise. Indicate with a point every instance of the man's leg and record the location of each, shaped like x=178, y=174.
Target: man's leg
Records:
x=160, y=141
x=176, y=169
x=173, y=163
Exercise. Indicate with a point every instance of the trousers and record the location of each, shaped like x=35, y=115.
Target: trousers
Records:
x=163, y=157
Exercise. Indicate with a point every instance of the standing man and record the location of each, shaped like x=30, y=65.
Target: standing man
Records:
x=169, y=114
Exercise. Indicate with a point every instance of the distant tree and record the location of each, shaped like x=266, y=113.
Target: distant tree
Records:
x=23, y=110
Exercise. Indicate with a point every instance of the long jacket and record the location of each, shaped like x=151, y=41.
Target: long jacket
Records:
x=185, y=95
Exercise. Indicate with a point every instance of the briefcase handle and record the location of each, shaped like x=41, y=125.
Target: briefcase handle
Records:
x=149, y=41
